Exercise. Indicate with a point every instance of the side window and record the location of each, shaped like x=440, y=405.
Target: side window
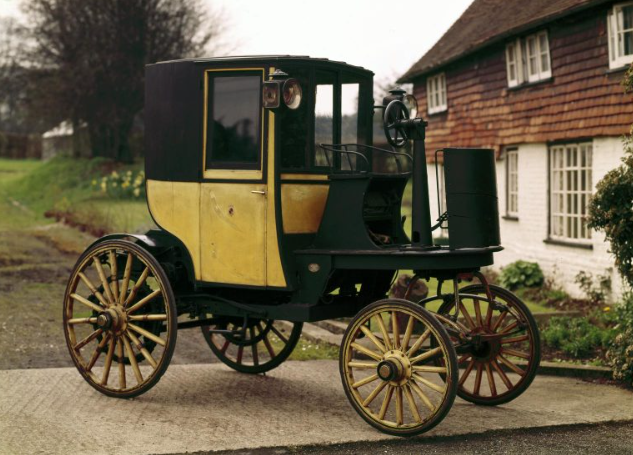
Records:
x=293, y=127
x=233, y=116
x=323, y=117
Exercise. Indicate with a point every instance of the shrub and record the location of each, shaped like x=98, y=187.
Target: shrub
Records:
x=620, y=352
x=577, y=337
x=595, y=293
x=521, y=274
x=124, y=185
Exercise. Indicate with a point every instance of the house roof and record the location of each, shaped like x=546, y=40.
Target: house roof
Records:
x=489, y=21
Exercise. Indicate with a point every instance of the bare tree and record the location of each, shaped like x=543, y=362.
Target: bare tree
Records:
x=94, y=52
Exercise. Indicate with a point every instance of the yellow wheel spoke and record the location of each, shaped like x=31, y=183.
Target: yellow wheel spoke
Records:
x=426, y=355
x=364, y=381
x=147, y=334
x=82, y=321
x=418, y=391
x=368, y=352
x=108, y=362
x=122, y=383
x=148, y=317
x=141, y=303
x=86, y=302
x=97, y=353
x=363, y=365
x=419, y=342
x=126, y=277
x=429, y=384
x=399, y=410
x=374, y=394
x=93, y=289
x=385, y=403
x=88, y=339
x=137, y=286
x=412, y=405
x=396, y=330
x=511, y=365
x=104, y=280
x=383, y=330
x=132, y=357
x=374, y=340
x=407, y=333
x=491, y=381
x=429, y=369
x=142, y=349
x=114, y=275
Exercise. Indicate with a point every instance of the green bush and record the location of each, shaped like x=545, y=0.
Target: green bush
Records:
x=620, y=353
x=521, y=274
x=577, y=337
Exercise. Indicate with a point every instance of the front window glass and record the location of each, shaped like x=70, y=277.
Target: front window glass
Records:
x=323, y=123
x=233, y=121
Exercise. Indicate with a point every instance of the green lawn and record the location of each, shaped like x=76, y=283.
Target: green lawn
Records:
x=29, y=189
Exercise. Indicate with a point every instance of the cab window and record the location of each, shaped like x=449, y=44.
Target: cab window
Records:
x=233, y=129
x=324, y=117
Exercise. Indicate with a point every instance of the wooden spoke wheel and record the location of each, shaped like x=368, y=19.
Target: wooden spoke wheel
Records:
x=264, y=344
x=120, y=318
x=388, y=365
x=501, y=362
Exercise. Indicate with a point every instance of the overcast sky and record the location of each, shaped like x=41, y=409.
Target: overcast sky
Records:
x=384, y=36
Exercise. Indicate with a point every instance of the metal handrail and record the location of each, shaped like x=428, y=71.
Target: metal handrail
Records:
x=342, y=149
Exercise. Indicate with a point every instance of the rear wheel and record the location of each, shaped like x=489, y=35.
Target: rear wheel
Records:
x=389, y=367
x=503, y=364
x=120, y=318
x=255, y=347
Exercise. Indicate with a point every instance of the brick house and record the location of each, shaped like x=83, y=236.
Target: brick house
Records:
x=539, y=82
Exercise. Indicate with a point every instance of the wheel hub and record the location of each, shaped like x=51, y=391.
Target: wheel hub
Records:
x=485, y=350
x=114, y=319
x=395, y=368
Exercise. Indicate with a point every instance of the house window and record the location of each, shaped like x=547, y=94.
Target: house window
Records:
x=538, y=64
x=620, y=25
x=528, y=60
x=512, y=182
x=514, y=63
x=570, y=190
x=436, y=93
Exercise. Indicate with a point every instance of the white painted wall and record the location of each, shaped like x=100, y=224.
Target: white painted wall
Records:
x=523, y=238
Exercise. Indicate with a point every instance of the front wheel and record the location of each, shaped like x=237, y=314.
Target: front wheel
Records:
x=120, y=318
x=398, y=367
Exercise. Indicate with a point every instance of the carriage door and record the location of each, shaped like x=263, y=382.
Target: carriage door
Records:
x=233, y=191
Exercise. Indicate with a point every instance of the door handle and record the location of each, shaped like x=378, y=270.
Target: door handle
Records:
x=258, y=192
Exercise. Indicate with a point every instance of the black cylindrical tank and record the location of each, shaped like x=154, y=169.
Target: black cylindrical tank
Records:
x=471, y=198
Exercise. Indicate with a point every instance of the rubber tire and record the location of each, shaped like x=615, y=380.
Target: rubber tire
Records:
x=172, y=317
x=452, y=385
x=523, y=385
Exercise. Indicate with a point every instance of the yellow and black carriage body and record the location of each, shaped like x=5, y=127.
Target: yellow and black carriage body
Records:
x=275, y=209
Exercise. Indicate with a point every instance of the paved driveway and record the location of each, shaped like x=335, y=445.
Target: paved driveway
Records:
x=209, y=407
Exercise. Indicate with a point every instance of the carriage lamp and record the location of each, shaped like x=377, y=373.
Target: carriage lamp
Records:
x=412, y=104
x=270, y=94
x=292, y=93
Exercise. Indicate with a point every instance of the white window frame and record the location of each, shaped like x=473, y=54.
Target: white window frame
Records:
x=516, y=63
x=615, y=24
x=570, y=188
x=436, y=93
x=512, y=182
x=535, y=71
